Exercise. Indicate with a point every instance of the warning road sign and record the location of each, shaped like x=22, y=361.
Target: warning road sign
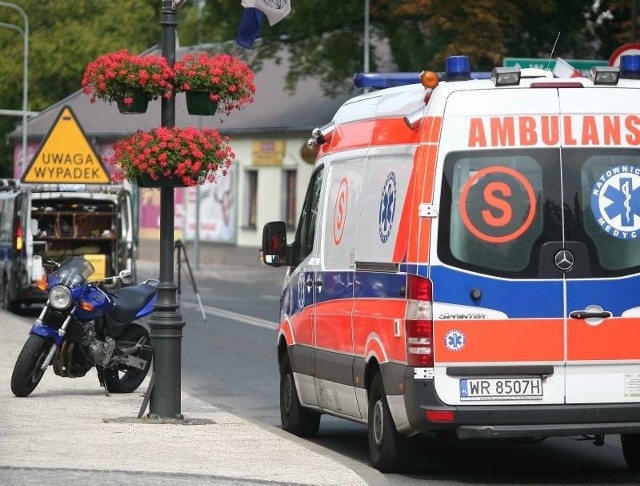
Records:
x=66, y=156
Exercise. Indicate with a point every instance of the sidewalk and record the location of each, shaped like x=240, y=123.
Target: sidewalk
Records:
x=68, y=429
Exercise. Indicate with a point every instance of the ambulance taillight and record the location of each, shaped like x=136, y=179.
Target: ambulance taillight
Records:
x=419, y=322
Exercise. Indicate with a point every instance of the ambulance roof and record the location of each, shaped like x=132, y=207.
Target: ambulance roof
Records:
x=405, y=95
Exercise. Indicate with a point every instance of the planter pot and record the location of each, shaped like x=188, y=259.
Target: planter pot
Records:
x=147, y=181
x=199, y=103
x=139, y=105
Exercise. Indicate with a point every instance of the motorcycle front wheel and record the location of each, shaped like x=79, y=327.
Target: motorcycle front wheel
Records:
x=27, y=372
x=121, y=378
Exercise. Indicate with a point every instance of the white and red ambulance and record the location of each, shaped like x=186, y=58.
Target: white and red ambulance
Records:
x=467, y=262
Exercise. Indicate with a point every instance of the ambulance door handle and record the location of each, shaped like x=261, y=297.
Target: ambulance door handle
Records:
x=318, y=284
x=309, y=283
x=590, y=315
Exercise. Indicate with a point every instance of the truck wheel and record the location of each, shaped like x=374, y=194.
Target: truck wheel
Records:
x=390, y=451
x=631, y=450
x=8, y=303
x=295, y=418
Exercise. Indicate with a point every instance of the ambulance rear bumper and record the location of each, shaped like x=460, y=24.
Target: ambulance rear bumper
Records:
x=516, y=421
x=544, y=430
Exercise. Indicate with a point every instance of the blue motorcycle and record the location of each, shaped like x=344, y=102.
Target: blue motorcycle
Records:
x=85, y=325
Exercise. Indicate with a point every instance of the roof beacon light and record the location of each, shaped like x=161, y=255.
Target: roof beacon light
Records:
x=458, y=68
x=429, y=79
x=630, y=67
x=607, y=75
x=384, y=80
x=506, y=76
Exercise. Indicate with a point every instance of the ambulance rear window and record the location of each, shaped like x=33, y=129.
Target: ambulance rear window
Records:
x=495, y=206
x=507, y=212
x=602, y=191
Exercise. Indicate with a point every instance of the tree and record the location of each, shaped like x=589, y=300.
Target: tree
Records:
x=322, y=39
x=64, y=37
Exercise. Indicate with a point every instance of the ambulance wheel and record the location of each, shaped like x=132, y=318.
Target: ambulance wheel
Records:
x=631, y=450
x=390, y=451
x=295, y=418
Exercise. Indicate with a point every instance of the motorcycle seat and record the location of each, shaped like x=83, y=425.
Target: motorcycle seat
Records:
x=129, y=300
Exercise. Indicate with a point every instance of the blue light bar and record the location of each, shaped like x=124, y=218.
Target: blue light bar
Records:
x=630, y=67
x=389, y=80
x=458, y=68
x=384, y=80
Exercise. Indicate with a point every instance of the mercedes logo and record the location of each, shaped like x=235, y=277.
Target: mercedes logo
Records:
x=564, y=260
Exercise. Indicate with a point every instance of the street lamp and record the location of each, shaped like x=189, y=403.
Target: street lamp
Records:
x=25, y=74
x=166, y=323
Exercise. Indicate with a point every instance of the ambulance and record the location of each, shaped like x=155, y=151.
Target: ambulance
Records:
x=467, y=262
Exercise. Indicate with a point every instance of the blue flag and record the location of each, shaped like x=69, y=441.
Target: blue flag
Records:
x=250, y=26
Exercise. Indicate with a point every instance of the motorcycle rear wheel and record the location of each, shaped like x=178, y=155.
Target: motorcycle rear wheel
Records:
x=27, y=373
x=126, y=379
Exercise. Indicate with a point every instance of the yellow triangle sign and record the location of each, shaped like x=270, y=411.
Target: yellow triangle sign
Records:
x=65, y=156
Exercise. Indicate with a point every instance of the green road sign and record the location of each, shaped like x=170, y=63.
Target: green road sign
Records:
x=582, y=65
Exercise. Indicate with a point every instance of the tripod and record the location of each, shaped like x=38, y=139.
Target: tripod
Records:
x=181, y=251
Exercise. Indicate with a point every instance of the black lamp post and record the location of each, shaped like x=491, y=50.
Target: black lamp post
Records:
x=166, y=323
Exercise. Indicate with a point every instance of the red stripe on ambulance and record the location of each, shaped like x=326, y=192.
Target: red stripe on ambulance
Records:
x=501, y=340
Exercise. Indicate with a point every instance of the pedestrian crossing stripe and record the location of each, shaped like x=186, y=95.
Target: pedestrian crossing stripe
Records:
x=65, y=156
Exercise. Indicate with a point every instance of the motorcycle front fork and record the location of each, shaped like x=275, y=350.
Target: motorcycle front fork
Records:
x=61, y=332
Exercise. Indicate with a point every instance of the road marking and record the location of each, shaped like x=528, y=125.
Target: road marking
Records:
x=234, y=316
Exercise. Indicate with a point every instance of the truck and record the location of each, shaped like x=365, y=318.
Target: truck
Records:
x=40, y=222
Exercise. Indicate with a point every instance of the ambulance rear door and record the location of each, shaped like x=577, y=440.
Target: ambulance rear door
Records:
x=498, y=298
x=601, y=252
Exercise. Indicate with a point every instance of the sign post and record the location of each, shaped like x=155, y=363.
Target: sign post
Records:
x=582, y=65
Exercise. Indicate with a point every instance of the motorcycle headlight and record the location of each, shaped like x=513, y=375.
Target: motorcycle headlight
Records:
x=59, y=297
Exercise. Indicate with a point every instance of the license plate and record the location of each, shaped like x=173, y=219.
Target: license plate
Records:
x=501, y=388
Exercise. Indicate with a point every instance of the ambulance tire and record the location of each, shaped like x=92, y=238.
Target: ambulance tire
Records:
x=389, y=451
x=631, y=450
x=296, y=419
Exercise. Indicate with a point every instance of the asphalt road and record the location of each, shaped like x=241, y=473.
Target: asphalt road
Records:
x=229, y=360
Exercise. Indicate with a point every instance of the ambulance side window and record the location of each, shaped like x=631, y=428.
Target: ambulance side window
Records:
x=305, y=233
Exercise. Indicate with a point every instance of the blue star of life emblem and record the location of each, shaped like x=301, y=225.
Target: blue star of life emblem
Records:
x=387, y=207
x=454, y=340
x=615, y=201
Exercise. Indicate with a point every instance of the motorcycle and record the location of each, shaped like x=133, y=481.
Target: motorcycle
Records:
x=85, y=325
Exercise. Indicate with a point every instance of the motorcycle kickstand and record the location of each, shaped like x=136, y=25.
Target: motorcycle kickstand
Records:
x=102, y=381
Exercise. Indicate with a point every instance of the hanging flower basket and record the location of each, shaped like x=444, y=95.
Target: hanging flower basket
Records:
x=137, y=103
x=228, y=81
x=200, y=103
x=120, y=76
x=172, y=157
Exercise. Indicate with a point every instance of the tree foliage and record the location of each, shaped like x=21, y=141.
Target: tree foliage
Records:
x=322, y=39
x=63, y=38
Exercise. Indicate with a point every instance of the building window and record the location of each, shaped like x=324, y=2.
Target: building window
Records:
x=252, y=199
x=290, y=178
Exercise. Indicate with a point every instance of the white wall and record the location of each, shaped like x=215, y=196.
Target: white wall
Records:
x=271, y=187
